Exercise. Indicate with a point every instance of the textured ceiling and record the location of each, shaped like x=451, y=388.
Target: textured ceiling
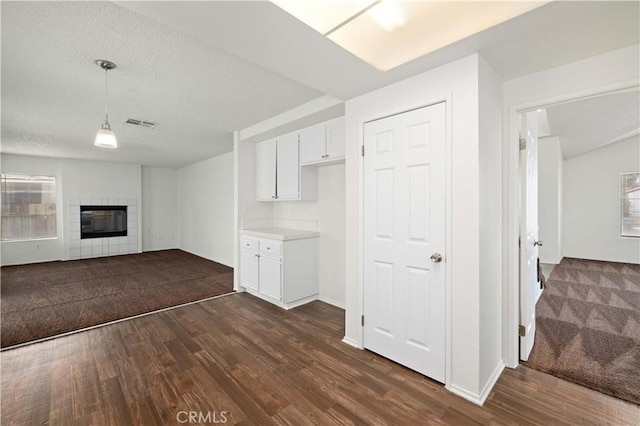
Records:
x=589, y=124
x=177, y=65
x=53, y=93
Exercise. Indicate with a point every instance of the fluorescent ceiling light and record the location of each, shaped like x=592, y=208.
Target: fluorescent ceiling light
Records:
x=324, y=15
x=389, y=33
x=387, y=15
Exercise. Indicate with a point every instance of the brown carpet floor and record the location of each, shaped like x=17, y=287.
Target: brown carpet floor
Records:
x=46, y=299
x=588, y=327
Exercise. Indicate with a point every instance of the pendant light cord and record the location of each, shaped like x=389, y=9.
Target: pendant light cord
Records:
x=106, y=98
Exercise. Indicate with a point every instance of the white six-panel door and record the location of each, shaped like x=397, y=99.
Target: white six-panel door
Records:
x=404, y=227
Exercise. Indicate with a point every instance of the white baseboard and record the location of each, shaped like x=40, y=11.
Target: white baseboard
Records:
x=463, y=393
x=551, y=261
x=479, y=399
x=351, y=342
x=331, y=302
x=300, y=302
x=488, y=387
x=203, y=256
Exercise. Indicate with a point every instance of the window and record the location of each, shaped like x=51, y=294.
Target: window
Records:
x=630, y=204
x=28, y=207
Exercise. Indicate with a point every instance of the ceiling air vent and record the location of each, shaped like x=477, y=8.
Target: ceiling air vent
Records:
x=141, y=123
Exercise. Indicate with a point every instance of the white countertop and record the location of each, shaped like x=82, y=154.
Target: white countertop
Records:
x=282, y=234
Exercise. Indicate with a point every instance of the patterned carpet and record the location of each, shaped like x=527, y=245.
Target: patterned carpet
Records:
x=46, y=299
x=588, y=327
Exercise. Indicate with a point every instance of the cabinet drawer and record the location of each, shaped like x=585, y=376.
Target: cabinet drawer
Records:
x=248, y=243
x=271, y=247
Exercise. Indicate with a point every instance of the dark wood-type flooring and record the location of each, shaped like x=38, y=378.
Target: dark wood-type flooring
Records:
x=261, y=365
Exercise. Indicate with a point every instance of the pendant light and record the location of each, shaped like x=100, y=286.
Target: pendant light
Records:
x=105, y=137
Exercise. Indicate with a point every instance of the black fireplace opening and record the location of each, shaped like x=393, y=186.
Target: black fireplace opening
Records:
x=103, y=221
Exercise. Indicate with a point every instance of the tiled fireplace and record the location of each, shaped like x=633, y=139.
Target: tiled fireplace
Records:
x=83, y=248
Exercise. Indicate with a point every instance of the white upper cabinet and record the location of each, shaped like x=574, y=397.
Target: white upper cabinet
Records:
x=279, y=176
x=313, y=144
x=266, y=173
x=288, y=168
x=323, y=143
x=335, y=139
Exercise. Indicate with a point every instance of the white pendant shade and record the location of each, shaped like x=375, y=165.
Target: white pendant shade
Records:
x=105, y=137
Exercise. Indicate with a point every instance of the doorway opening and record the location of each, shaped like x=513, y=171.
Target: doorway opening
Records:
x=585, y=327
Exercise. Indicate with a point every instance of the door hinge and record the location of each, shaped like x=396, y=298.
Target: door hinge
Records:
x=519, y=242
x=362, y=150
x=522, y=331
x=362, y=320
x=523, y=144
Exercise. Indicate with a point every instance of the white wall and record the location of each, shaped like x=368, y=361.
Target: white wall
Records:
x=328, y=210
x=490, y=185
x=592, y=203
x=74, y=178
x=206, y=206
x=159, y=208
x=550, y=199
x=610, y=71
x=457, y=84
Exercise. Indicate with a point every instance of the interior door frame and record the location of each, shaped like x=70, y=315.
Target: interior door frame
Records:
x=511, y=199
x=391, y=111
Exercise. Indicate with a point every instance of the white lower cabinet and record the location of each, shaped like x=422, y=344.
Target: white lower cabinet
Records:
x=284, y=273
x=271, y=276
x=249, y=269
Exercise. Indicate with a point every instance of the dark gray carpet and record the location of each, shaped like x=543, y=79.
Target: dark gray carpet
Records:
x=588, y=327
x=46, y=299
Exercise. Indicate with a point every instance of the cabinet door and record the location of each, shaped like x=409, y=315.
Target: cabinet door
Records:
x=271, y=276
x=288, y=169
x=335, y=139
x=266, y=170
x=312, y=144
x=249, y=269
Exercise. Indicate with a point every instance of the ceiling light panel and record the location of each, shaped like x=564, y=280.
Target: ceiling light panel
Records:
x=324, y=15
x=389, y=33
